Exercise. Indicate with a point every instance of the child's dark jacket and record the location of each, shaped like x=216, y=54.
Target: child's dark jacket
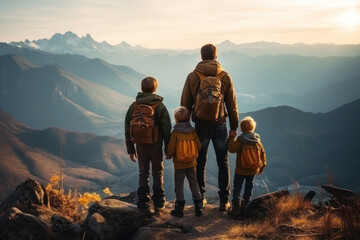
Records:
x=162, y=120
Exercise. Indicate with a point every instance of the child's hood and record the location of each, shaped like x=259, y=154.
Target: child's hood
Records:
x=249, y=137
x=183, y=127
x=148, y=98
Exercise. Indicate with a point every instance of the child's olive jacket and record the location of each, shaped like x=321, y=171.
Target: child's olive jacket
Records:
x=236, y=145
x=182, y=131
x=162, y=120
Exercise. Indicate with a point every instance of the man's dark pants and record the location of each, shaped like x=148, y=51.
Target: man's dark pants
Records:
x=218, y=135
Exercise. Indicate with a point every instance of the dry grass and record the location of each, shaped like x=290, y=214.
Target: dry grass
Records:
x=291, y=218
x=71, y=205
x=350, y=220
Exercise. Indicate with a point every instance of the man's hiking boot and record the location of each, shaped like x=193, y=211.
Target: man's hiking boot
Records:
x=179, y=209
x=198, y=207
x=224, y=206
x=235, y=208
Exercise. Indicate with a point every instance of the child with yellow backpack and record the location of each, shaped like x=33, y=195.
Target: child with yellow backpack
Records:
x=250, y=160
x=184, y=146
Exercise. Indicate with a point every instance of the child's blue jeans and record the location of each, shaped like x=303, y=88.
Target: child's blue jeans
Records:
x=249, y=185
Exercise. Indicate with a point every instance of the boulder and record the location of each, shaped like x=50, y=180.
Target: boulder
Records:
x=15, y=224
x=113, y=219
x=309, y=196
x=64, y=229
x=258, y=207
x=126, y=197
x=342, y=195
x=25, y=195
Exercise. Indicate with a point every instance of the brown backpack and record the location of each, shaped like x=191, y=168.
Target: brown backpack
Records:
x=209, y=103
x=250, y=157
x=142, y=125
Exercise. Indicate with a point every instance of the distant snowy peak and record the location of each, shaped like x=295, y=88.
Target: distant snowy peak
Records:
x=71, y=43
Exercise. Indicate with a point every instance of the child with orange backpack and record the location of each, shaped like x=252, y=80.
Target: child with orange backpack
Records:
x=184, y=147
x=250, y=160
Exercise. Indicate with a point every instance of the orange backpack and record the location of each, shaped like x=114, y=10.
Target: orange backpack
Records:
x=186, y=151
x=142, y=125
x=250, y=157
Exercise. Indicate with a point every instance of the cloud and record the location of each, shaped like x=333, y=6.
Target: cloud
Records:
x=164, y=23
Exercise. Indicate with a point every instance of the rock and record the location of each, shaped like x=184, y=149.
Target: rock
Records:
x=126, y=197
x=25, y=195
x=114, y=219
x=7, y=216
x=15, y=224
x=342, y=195
x=65, y=229
x=97, y=224
x=309, y=196
x=258, y=207
x=151, y=233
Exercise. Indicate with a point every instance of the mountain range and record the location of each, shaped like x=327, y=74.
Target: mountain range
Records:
x=46, y=96
x=306, y=105
x=261, y=81
x=90, y=161
x=69, y=42
x=300, y=146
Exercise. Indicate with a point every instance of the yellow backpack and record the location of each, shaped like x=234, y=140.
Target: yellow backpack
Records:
x=250, y=157
x=186, y=151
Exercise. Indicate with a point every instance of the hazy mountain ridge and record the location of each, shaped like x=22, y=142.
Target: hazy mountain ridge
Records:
x=119, y=78
x=306, y=147
x=300, y=146
x=90, y=161
x=69, y=42
x=260, y=81
x=66, y=100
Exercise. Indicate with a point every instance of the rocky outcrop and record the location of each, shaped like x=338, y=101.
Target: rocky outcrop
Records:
x=259, y=206
x=64, y=229
x=114, y=219
x=26, y=195
x=117, y=217
x=341, y=195
x=15, y=225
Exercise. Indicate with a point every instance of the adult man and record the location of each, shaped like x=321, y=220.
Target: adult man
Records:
x=207, y=127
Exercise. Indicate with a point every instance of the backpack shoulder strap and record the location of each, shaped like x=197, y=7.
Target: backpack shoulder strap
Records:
x=155, y=105
x=220, y=75
x=200, y=75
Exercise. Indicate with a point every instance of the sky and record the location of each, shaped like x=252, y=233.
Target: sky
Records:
x=184, y=23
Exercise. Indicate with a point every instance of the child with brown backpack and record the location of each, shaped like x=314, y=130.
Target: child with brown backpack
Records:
x=148, y=125
x=250, y=160
x=184, y=147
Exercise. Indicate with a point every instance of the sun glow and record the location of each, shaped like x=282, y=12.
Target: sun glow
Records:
x=350, y=19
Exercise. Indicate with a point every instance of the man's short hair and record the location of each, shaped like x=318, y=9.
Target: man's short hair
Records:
x=208, y=52
x=182, y=114
x=247, y=124
x=149, y=85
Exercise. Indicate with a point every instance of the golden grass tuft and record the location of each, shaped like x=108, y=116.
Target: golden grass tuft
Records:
x=291, y=218
x=107, y=191
x=71, y=205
